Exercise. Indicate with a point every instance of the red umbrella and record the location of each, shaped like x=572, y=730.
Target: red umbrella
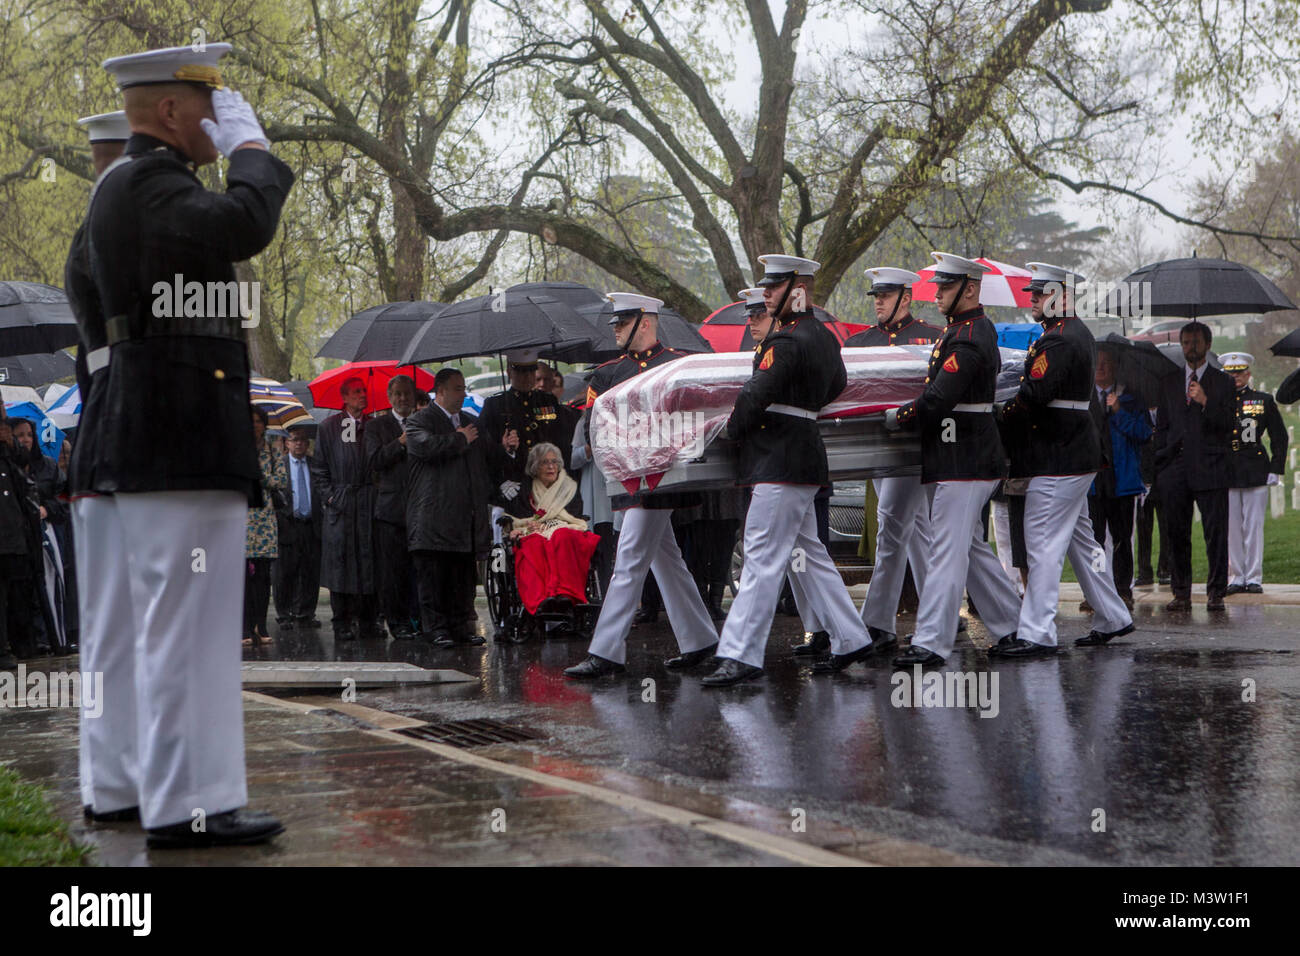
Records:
x=999, y=287
x=727, y=329
x=326, y=388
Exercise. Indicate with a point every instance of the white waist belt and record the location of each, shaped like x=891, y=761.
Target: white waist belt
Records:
x=1067, y=403
x=97, y=359
x=794, y=411
x=976, y=408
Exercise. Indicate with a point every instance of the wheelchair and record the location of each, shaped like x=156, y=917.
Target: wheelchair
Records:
x=512, y=621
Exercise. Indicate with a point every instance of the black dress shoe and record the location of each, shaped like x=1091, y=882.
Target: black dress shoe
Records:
x=731, y=672
x=127, y=815
x=346, y=633
x=593, y=667
x=233, y=828
x=1234, y=589
x=1025, y=649
x=838, y=662
x=1179, y=604
x=716, y=612
x=469, y=638
x=817, y=644
x=286, y=625
x=404, y=634
x=308, y=622
x=1215, y=603
x=961, y=625
x=442, y=639
x=1094, y=638
x=1144, y=582
x=1164, y=579
x=644, y=615
x=1254, y=589
x=691, y=658
x=917, y=655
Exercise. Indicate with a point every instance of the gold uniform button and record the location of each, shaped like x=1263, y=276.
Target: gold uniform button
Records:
x=643, y=364
x=219, y=375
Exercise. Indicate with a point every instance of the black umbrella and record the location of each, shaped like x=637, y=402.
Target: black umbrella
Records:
x=35, y=319
x=1142, y=365
x=496, y=323
x=36, y=370
x=380, y=333
x=1289, y=390
x=1174, y=352
x=1289, y=344
x=1199, y=287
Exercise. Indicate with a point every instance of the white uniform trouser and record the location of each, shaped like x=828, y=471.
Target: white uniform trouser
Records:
x=1000, y=519
x=808, y=614
x=1056, y=524
x=646, y=543
x=960, y=559
x=782, y=518
x=1246, y=534
x=902, y=538
x=163, y=627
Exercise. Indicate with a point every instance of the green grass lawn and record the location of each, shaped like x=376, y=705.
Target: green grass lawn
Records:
x=30, y=834
x=1281, y=551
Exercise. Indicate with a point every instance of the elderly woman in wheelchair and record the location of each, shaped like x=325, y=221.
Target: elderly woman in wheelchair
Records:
x=552, y=546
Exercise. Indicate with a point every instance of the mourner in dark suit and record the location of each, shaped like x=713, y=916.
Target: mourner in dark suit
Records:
x=1193, y=437
x=297, y=568
x=386, y=452
x=341, y=476
x=162, y=251
x=1255, y=415
x=451, y=471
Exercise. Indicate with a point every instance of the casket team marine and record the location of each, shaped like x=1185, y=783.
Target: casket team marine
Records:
x=646, y=541
x=961, y=462
x=798, y=371
x=1055, y=443
x=171, y=737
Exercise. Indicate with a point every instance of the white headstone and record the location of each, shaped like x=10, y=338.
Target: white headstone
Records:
x=1276, y=501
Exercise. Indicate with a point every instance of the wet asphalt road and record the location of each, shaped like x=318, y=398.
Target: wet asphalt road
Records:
x=1140, y=752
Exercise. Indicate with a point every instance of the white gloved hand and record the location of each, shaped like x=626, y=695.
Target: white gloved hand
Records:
x=891, y=419
x=1274, y=479
x=509, y=489
x=236, y=123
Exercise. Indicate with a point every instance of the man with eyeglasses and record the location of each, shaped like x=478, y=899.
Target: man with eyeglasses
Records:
x=297, y=568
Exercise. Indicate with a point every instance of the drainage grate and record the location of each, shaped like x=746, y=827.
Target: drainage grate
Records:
x=470, y=733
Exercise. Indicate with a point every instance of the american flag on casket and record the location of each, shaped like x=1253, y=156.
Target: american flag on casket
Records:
x=660, y=430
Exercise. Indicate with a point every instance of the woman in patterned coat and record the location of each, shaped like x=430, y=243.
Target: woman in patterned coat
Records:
x=261, y=544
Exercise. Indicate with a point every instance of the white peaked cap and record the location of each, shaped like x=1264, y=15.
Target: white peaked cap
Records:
x=777, y=267
x=177, y=64
x=889, y=277
x=106, y=127
x=950, y=268
x=1235, y=361
x=634, y=301
x=1041, y=273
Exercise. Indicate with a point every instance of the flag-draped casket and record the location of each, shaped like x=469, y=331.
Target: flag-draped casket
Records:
x=662, y=429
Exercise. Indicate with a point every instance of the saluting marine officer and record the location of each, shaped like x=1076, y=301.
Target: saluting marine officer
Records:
x=902, y=510
x=1055, y=443
x=177, y=511
x=961, y=462
x=114, y=799
x=646, y=542
x=1251, y=471
x=797, y=372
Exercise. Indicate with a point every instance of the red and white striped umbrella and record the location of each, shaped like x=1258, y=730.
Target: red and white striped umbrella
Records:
x=1001, y=286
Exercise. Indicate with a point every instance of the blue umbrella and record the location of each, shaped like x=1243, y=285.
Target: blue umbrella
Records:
x=48, y=435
